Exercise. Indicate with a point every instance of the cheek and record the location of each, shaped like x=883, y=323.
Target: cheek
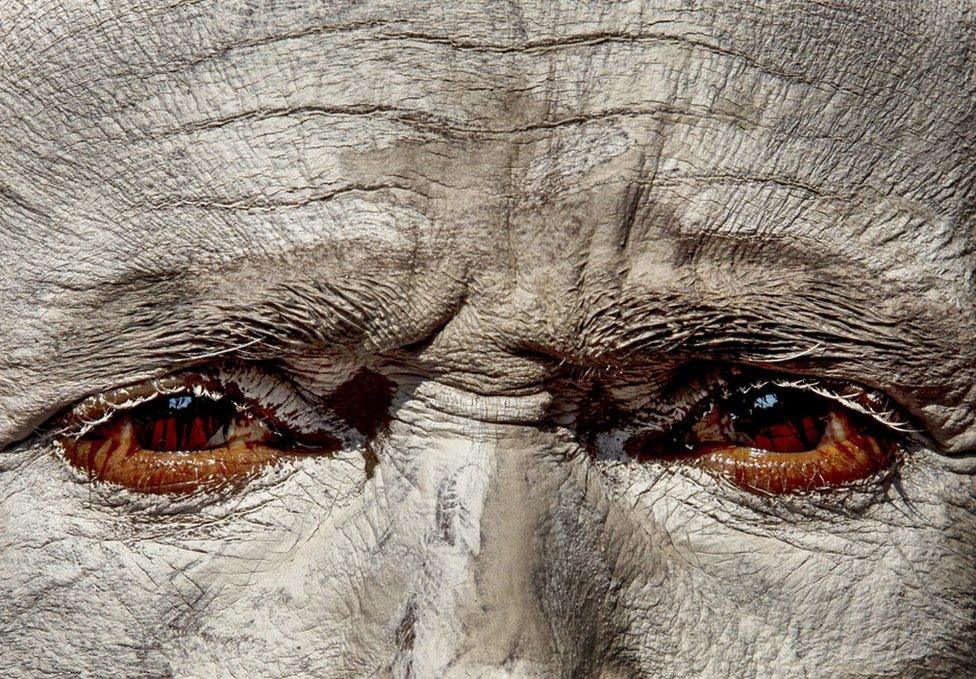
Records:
x=301, y=574
x=88, y=586
x=876, y=590
x=80, y=599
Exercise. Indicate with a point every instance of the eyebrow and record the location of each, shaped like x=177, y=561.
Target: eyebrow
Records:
x=829, y=321
x=298, y=310
x=916, y=352
x=824, y=314
x=153, y=342
x=835, y=325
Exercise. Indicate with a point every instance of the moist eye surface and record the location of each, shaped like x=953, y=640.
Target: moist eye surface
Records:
x=215, y=427
x=183, y=421
x=766, y=433
x=775, y=419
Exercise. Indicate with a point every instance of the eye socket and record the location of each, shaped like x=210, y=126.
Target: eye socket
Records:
x=775, y=439
x=196, y=431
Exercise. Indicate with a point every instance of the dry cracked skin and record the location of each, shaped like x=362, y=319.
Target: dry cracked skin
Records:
x=482, y=339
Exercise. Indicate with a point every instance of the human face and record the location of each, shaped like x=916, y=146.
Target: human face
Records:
x=483, y=260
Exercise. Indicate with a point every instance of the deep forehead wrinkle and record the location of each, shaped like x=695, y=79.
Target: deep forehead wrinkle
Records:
x=135, y=108
x=262, y=110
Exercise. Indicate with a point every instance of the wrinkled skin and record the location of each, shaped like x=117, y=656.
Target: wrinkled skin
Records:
x=476, y=200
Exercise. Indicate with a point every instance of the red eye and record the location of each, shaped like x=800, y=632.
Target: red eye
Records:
x=216, y=426
x=775, y=419
x=179, y=443
x=183, y=422
x=776, y=440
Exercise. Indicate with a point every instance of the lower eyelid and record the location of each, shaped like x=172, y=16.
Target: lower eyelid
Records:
x=778, y=473
x=114, y=456
x=169, y=472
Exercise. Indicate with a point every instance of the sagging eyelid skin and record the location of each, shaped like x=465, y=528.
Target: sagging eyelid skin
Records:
x=471, y=339
x=198, y=430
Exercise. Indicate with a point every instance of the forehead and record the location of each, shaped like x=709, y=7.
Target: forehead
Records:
x=370, y=121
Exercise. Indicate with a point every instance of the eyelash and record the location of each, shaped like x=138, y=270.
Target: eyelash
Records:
x=217, y=383
x=887, y=417
x=262, y=394
x=710, y=386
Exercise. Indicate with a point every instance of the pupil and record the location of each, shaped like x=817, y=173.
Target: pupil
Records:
x=180, y=402
x=183, y=422
x=777, y=419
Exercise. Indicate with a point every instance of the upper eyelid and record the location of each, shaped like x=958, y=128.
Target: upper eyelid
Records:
x=887, y=417
x=109, y=404
x=99, y=408
x=76, y=423
x=714, y=384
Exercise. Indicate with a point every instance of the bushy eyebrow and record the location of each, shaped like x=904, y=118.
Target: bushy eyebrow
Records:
x=825, y=322
x=770, y=310
x=830, y=326
x=103, y=334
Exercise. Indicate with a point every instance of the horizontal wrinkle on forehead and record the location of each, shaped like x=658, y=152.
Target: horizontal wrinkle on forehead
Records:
x=287, y=144
x=318, y=80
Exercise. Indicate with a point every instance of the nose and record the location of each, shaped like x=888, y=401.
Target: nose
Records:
x=473, y=499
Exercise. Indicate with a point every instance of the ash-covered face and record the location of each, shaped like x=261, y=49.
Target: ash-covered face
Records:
x=521, y=339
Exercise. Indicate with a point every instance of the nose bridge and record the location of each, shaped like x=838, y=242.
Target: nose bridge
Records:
x=469, y=526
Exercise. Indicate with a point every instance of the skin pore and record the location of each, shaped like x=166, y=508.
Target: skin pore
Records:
x=493, y=210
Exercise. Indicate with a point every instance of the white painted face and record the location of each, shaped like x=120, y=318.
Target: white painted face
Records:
x=523, y=339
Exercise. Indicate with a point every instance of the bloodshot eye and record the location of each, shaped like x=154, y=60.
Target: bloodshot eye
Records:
x=216, y=426
x=776, y=439
x=774, y=419
x=185, y=441
x=183, y=422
